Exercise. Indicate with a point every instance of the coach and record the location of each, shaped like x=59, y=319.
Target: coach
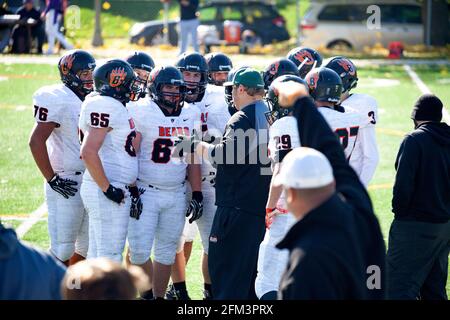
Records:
x=242, y=186
x=419, y=239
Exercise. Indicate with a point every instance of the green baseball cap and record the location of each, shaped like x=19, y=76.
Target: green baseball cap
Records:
x=248, y=77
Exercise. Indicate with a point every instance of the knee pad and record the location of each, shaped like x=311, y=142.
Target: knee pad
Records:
x=139, y=257
x=63, y=251
x=82, y=246
x=165, y=255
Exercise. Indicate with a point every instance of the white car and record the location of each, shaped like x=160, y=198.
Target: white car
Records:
x=350, y=24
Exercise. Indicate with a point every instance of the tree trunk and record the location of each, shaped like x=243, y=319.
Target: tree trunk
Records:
x=436, y=25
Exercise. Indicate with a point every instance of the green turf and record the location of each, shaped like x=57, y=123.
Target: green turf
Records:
x=21, y=188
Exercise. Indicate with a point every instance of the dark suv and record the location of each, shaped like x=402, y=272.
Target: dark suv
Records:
x=257, y=18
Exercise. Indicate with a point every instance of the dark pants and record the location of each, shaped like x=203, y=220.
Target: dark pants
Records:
x=233, y=253
x=417, y=260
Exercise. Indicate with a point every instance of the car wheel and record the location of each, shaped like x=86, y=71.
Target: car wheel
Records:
x=341, y=45
x=157, y=39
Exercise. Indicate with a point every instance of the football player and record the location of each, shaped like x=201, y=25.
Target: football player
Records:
x=325, y=87
x=56, y=151
x=305, y=59
x=219, y=65
x=283, y=137
x=209, y=99
x=161, y=180
x=109, y=145
x=277, y=68
x=142, y=65
x=365, y=156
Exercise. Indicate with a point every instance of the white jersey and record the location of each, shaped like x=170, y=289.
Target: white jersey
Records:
x=214, y=116
x=365, y=156
x=117, y=152
x=59, y=104
x=157, y=166
x=283, y=137
x=346, y=124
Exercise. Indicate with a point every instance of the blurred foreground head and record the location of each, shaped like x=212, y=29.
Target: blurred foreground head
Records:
x=102, y=279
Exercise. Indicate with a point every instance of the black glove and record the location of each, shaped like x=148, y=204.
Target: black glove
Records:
x=195, y=207
x=114, y=194
x=185, y=143
x=136, y=202
x=64, y=187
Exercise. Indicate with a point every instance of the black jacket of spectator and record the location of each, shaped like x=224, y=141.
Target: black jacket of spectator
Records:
x=355, y=208
x=33, y=13
x=188, y=12
x=422, y=183
x=240, y=182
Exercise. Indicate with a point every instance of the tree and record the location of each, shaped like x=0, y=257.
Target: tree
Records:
x=97, y=41
x=436, y=25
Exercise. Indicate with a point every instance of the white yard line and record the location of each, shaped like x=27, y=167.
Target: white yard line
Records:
x=34, y=217
x=423, y=88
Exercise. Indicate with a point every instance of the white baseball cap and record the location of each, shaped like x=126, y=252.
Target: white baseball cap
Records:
x=304, y=168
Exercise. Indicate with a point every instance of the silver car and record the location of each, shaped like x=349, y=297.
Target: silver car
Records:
x=354, y=24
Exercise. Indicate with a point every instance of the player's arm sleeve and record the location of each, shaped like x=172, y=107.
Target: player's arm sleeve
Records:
x=235, y=144
x=309, y=277
x=46, y=111
x=104, y=117
x=370, y=153
x=408, y=158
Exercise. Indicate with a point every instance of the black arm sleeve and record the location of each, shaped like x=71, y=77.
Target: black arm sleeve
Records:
x=408, y=158
x=316, y=133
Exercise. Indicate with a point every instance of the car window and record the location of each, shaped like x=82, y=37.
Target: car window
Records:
x=231, y=13
x=401, y=14
x=348, y=13
x=258, y=12
x=208, y=13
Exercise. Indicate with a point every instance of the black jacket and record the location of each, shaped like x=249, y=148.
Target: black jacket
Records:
x=422, y=184
x=243, y=167
x=315, y=133
x=189, y=12
x=326, y=258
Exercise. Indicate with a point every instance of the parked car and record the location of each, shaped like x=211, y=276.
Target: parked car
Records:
x=339, y=24
x=259, y=19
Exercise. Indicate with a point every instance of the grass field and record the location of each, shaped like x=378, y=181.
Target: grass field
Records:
x=21, y=189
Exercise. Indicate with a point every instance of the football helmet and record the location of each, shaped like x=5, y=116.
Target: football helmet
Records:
x=276, y=112
x=194, y=62
x=217, y=62
x=324, y=85
x=116, y=78
x=167, y=76
x=71, y=65
x=345, y=68
x=278, y=68
x=141, y=61
x=305, y=59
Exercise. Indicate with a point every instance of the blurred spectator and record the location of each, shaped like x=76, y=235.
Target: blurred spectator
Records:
x=419, y=239
x=27, y=273
x=102, y=279
x=23, y=33
x=53, y=14
x=188, y=24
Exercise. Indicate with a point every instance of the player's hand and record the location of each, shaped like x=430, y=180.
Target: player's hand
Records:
x=271, y=213
x=136, y=202
x=288, y=92
x=185, y=143
x=195, y=206
x=64, y=187
x=115, y=194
